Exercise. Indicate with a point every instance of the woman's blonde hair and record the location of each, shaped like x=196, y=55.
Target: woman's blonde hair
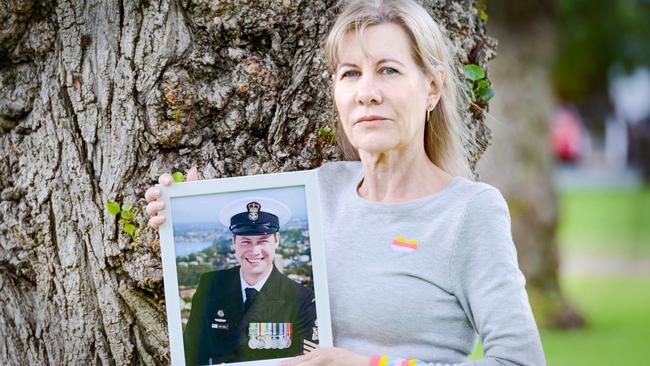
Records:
x=445, y=134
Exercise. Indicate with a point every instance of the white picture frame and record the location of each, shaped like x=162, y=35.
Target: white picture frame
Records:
x=215, y=192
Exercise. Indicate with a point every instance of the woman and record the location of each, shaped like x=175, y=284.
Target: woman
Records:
x=422, y=258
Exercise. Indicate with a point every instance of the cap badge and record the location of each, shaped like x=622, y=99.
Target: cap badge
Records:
x=253, y=210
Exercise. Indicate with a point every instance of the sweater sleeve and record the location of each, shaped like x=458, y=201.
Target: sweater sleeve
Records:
x=486, y=279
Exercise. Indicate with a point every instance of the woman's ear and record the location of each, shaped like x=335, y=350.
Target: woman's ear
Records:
x=437, y=82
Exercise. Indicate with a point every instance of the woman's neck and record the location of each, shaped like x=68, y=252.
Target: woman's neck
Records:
x=400, y=175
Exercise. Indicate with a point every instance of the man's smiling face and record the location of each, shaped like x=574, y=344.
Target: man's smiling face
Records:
x=255, y=254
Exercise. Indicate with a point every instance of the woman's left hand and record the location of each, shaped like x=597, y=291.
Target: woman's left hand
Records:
x=329, y=356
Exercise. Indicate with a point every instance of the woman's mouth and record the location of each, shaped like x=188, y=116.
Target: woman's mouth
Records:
x=371, y=119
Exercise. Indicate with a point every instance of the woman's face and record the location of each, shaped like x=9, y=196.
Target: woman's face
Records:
x=380, y=92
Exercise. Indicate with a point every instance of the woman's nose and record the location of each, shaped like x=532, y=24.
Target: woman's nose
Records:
x=368, y=92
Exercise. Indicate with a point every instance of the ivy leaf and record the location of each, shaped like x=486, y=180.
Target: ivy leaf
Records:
x=178, y=177
x=129, y=229
x=485, y=94
x=113, y=207
x=325, y=132
x=124, y=221
x=483, y=15
x=473, y=72
x=126, y=215
x=127, y=207
x=481, y=84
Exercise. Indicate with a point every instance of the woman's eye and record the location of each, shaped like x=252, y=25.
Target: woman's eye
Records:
x=388, y=71
x=350, y=74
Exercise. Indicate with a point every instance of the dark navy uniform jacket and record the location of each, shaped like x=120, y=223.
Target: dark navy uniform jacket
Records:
x=217, y=330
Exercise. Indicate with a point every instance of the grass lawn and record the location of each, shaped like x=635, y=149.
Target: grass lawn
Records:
x=613, y=223
x=606, y=221
x=618, y=313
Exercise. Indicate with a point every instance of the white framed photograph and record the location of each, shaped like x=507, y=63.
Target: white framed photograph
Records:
x=244, y=269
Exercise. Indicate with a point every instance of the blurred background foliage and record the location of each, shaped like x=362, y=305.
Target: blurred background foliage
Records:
x=596, y=36
x=571, y=154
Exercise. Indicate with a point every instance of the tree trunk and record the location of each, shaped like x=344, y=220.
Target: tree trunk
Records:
x=519, y=162
x=101, y=97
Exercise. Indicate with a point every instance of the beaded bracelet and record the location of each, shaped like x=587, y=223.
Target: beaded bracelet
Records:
x=385, y=360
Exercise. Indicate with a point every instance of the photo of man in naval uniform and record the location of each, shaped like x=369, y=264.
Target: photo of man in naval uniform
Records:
x=251, y=311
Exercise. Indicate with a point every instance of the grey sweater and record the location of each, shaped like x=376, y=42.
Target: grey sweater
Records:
x=420, y=279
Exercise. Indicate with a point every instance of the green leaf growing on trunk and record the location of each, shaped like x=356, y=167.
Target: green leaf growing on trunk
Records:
x=178, y=177
x=129, y=229
x=485, y=93
x=113, y=207
x=484, y=83
x=326, y=133
x=477, y=85
x=473, y=72
x=126, y=215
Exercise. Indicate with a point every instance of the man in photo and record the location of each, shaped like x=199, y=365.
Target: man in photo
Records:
x=251, y=311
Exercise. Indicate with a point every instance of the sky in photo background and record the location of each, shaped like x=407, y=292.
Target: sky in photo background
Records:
x=202, y=211
x=205, y=208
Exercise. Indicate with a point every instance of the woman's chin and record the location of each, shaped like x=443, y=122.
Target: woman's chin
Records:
x=376, y=147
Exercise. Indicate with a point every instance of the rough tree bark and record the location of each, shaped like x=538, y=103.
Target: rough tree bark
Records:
x=100, y=97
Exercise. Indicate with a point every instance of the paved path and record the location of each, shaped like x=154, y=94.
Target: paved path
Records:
x=575, y=264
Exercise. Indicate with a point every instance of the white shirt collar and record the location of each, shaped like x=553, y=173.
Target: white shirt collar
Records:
x=257, y=286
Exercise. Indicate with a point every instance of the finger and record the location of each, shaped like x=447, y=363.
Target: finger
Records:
x=192, y=174
x=316, y=357
x=291, y=362
x=152, y=194
x=153, y=208
x=166, y=179
x=156, y=221
x=296, y=360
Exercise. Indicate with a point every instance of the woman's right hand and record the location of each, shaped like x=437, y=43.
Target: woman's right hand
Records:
x=153, y=194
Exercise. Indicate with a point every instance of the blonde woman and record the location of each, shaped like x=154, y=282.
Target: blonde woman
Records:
x=422, y=261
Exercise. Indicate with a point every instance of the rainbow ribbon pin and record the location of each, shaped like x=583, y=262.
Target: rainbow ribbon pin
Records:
x=401, y=246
